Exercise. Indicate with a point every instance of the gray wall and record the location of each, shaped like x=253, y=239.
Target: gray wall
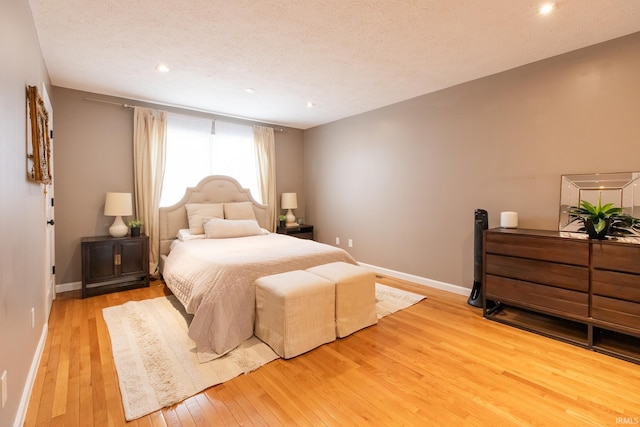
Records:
x=403, y=181
x=22, y=279
x=94, y=155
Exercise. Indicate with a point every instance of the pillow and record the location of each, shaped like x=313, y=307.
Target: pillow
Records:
x=226, y=228
x=239, y=210
x=197, y=212
x=184, y=234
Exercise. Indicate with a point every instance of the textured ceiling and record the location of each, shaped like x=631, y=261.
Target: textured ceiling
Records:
x=346, y=56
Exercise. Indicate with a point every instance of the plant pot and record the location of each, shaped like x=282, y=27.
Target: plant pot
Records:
x=135, y=231
x=591, y=231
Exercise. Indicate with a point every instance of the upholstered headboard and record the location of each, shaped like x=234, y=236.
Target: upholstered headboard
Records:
x=212, y=189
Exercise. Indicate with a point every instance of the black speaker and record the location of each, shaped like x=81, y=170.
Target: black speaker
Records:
x=481, y=224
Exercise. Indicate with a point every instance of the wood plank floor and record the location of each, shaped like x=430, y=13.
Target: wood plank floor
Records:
x=436, y=363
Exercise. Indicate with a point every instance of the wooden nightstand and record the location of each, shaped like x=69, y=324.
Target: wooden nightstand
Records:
x=302, y=231
x=111, y=264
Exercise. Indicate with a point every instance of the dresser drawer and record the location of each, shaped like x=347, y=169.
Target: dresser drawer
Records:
x=560, y=250
x=616, y=285
x=532, y=295
x=547, y=273
x=616, y=257
x=624, y=313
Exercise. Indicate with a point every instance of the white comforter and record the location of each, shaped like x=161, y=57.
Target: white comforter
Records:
x=214, y=280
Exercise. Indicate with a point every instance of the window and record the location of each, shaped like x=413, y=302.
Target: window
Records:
x=197, y=148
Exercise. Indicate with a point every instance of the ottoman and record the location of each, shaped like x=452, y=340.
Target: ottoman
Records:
x=295, y=312
x=355, y=295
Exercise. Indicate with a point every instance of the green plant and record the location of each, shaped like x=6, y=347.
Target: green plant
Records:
x=620, y=223
x=598, y=214
x=135, y=223
x=282, y=218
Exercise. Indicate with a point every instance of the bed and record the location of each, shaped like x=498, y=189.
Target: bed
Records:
x=212, y=270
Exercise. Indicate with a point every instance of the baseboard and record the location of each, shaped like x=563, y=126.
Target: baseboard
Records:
x=67, y=287
x=460, y=290
x=31, y=379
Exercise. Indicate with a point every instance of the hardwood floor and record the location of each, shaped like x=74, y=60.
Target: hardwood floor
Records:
x=436, y=363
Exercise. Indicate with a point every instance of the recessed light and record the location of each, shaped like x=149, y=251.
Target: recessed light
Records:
x=547, y=8
x=250, y=90
x=311, y=104
x=163, y=68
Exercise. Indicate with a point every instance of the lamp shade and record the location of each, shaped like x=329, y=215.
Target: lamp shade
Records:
x=289, y=201
x=118, y=204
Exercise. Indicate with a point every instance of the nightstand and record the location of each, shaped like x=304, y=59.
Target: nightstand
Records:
x=301, y=231
x=111, y=264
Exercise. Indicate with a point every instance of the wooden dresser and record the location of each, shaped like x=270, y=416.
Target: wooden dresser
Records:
x=585, y=292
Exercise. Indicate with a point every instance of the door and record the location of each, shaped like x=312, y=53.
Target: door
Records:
x=49, y=232
x=100, y=260
x=49, y=251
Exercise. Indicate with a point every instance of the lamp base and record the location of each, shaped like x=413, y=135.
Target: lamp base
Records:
x=291, y=219
x=118, y=228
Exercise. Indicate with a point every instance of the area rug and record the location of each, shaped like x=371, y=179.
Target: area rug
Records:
x=157, y=363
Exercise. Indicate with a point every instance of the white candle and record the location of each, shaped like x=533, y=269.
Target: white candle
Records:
x=509, y=219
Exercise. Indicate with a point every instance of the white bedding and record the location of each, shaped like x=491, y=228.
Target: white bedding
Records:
x=214, y=280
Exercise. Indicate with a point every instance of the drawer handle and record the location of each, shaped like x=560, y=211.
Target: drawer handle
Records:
x=117, y=260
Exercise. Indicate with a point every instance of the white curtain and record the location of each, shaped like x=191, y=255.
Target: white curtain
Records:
x=149, y=153
x=266, y=167
x=233, y=154
x=188, y=155
x=197, y=148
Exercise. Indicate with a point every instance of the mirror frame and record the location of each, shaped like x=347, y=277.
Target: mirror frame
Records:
x=38, y=142
x=620, y=188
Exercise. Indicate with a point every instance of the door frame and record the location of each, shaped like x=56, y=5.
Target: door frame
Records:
x=49, y=219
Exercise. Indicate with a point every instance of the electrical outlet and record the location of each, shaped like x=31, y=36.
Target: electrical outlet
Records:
x=350, y=243
x=33, y=317
x=3, y=379
x=337, y=240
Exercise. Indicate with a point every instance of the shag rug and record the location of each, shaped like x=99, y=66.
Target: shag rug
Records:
x=157, y=362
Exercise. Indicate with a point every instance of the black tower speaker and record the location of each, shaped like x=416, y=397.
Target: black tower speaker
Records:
x=481, y=224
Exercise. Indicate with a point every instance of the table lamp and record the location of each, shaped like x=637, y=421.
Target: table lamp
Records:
x=118, y=205
x=290, y=201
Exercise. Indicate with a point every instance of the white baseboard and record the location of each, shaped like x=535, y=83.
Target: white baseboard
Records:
x=31, y=379
x=66, y=287
x=460, y=290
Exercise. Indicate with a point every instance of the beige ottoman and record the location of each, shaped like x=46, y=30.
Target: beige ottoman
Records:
x=355, y=295
x=295, y=312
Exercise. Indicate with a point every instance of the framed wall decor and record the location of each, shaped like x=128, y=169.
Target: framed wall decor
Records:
x=38, y=142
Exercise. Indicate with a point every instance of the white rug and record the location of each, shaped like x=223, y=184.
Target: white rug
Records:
x=157, y=363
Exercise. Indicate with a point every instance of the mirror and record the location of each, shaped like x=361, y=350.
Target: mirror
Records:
x=38, y=142
x=621, y=189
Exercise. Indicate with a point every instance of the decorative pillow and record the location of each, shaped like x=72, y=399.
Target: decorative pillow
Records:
x=184, y=234
x=239, y=210
x=197, y=212
x=225, y=228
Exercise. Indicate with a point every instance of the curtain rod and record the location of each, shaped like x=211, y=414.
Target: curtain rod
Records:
x=109, y=102
x=191, y=109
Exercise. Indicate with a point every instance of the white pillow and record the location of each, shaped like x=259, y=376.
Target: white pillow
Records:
x=225, y=228
x=184, y=234
x=239, y=210
x=198, y=212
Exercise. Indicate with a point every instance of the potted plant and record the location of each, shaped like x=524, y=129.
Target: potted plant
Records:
x=597, y=219
x=135, y=225
x=281, y=220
